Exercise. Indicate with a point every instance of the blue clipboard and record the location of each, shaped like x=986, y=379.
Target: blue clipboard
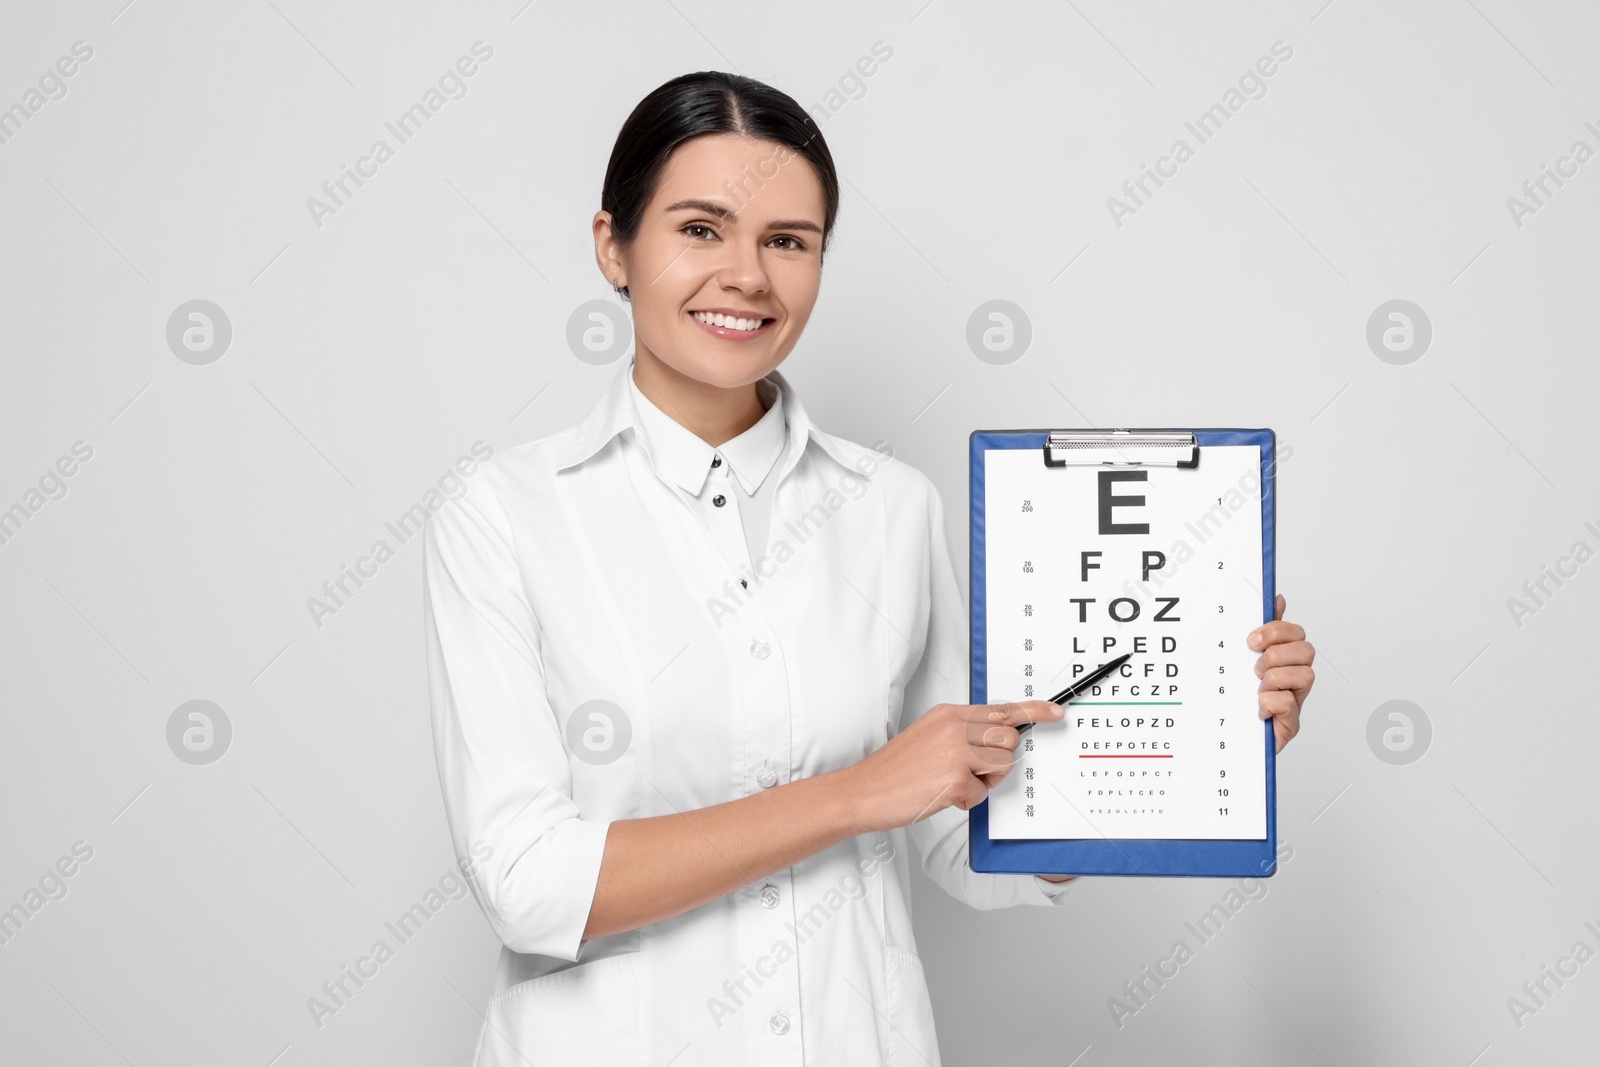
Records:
x=1120, y=856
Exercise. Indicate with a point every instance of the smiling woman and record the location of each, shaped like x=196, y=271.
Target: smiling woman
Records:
x=756, y=205
x=666, y=876
x=673, y=796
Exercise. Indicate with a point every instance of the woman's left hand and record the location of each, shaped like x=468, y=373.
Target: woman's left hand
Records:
x=1285, y=672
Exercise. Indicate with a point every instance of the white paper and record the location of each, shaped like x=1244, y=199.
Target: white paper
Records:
x=1172, y=746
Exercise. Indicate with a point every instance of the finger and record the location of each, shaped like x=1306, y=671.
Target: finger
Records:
x=1275, y=703
x=990, y=765
x=1017, y=712
x=1282, y=603
x=984, y=759
x=1273, y=633
x=1284, y=730
x=1294, y=678
x=992, y=735
x=991, y=780
x=1288, y=654
x=974, y=795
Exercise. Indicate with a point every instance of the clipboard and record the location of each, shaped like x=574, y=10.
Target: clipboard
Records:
x=1080, y=453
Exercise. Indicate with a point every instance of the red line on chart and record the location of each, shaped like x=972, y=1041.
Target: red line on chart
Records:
x=1123, y=757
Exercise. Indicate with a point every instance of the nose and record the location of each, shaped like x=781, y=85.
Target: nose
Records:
x=743, y=270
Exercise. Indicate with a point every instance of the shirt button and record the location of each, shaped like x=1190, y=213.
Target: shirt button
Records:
x=716, y=461
x=766, y=778
x=759, y=649
x=780, y=1022
x=719, y=500
x=769, y=895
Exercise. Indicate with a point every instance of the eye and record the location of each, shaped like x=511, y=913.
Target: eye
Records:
x=795, y=245
x=698, y=226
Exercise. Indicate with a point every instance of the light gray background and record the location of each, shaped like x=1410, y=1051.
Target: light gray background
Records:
x=431, y=311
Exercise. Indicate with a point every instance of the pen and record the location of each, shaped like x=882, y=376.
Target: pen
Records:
x=1077, y=688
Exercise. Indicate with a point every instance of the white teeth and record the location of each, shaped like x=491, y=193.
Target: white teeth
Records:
x=727, y=322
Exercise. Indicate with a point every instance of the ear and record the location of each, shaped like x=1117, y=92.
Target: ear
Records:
x=607, y=251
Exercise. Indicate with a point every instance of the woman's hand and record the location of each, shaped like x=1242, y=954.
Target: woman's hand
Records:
x=1285, y=672
x=951, y=755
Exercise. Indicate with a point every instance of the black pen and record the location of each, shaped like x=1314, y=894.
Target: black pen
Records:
x=1077, y=688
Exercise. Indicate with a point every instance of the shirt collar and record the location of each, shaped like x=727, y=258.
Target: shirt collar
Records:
x=683, y=457
x=615, y=412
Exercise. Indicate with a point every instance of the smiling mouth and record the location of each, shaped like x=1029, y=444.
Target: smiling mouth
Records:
x=730, y=324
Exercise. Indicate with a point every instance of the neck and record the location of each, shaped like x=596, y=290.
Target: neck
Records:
x=712, y=413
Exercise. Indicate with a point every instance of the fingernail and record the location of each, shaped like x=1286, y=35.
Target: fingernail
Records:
x=1254, y=640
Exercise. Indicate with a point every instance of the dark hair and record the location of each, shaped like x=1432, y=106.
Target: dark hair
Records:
x=691, y=105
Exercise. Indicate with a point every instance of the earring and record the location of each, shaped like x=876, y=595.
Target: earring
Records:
x=615, y=288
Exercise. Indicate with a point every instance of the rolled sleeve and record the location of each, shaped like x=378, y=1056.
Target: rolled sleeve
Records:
x=503, y=764
x=1054, y=892
x=943, y=677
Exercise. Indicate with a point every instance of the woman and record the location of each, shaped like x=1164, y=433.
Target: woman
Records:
x=691, y=660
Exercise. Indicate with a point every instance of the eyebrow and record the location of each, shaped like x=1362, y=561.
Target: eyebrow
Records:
x=711, y=207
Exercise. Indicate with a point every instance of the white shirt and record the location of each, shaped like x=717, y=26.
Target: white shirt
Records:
x=738, y=521
x=574, y=569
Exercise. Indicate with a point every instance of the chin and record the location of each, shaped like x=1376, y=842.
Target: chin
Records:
x=730, y=375
x=726, y=370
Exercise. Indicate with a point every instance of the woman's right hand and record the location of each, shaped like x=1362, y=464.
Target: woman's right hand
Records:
x=951, y=755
